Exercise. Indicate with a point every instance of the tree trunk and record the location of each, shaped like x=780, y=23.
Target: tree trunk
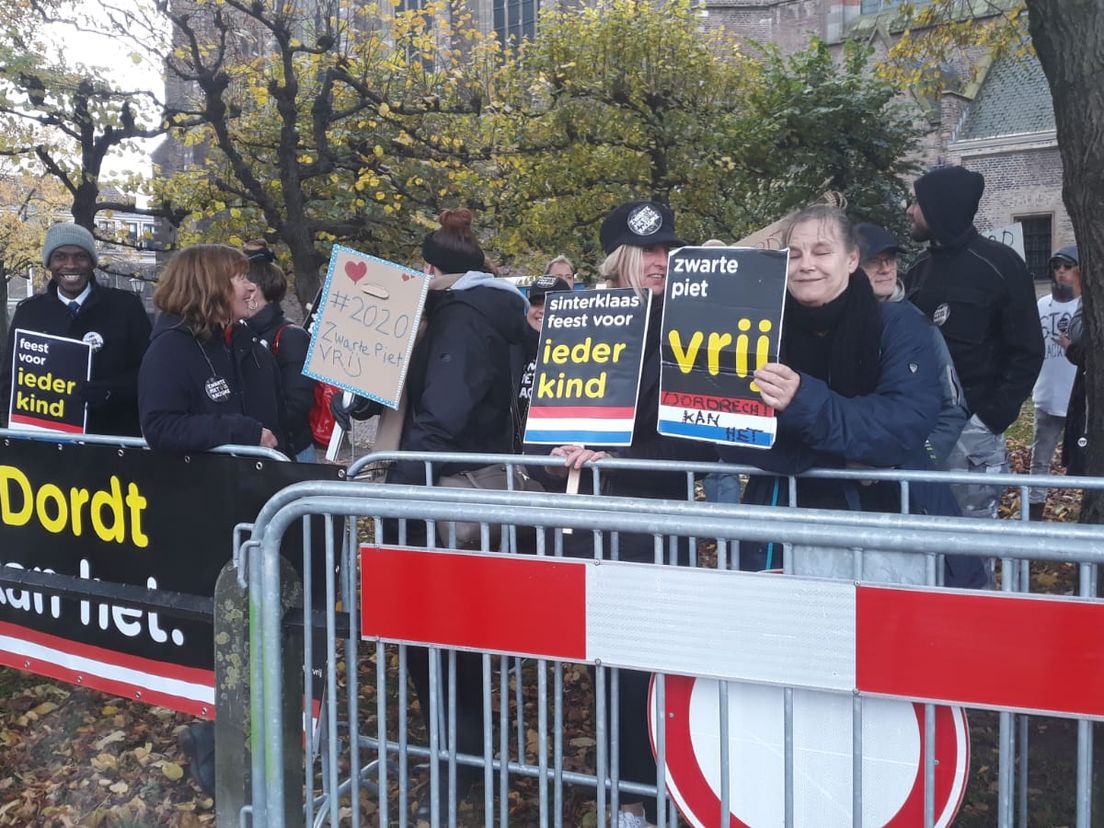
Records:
x=1069, y=40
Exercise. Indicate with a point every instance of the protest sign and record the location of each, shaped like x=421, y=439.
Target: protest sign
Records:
x=588, y=368
x=366, y=322
x=1012, y=235
x=47, y=372
x=127, y=516
x=722, y=320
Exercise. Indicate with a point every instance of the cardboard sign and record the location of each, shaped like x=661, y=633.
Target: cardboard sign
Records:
x=46, y=373
x=770, y=237
x=128, y=516
x=588, y=368
x=1012, y=235
x=367, y=319
x=722, y=320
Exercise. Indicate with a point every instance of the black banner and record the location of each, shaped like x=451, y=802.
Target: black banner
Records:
x=136, y=517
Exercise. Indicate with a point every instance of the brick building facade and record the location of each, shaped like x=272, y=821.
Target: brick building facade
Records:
x=1000, y=123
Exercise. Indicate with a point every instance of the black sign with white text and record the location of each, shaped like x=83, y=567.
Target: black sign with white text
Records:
x=47, y=372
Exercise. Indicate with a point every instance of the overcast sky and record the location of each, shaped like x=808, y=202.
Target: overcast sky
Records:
x=114, y=57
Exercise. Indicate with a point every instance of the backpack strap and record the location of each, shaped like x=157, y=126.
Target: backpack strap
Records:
x=275, y=346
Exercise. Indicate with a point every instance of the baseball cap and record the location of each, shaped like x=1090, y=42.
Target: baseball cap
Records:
x=546, y=284
x=875, y=239
x=641, y=224
x=1068, y=252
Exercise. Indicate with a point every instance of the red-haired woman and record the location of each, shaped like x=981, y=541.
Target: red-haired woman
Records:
x=206, y=380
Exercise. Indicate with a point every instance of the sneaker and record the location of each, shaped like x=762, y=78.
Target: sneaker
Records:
x=627, y=819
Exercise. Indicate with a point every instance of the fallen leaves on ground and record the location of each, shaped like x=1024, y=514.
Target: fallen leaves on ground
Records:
x=72, y=756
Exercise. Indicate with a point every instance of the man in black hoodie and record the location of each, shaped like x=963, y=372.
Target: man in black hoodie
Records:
x=980, y=295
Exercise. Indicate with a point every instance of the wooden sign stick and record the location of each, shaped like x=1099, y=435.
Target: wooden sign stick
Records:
x=573, y=477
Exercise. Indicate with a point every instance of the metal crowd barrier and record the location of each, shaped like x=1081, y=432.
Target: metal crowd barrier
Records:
x=259, y=452
x=344, y=785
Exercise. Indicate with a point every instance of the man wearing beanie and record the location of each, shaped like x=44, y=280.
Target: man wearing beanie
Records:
x=979, y=294
x=76, y=306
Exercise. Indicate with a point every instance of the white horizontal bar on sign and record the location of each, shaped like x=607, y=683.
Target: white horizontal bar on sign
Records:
x=738, y=626
x=720, y=419
x=115, y=673
x=581, y=424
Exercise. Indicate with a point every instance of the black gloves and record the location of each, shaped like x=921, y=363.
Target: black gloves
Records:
x=360, y=408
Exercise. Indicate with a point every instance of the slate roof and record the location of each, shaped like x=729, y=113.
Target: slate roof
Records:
x=1014, y=99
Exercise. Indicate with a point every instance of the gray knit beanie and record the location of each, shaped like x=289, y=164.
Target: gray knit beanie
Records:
x=62, y=234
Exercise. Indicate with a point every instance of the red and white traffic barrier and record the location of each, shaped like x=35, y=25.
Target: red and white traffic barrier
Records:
x=982, y=649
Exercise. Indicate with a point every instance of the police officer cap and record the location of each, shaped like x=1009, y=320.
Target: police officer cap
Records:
x=641, y=224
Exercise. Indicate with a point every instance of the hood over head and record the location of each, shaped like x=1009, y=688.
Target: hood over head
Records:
x=502, y=303
x=949, y=197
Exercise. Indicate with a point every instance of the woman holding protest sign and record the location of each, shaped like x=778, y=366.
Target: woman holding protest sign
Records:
x=637, y=238
x=857, y=385
x=460, y=396
x=288, y=343
x=206, y=380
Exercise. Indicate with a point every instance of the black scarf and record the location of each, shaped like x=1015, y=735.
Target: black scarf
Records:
x=839, y=342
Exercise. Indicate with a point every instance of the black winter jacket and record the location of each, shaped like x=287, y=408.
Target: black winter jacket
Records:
x=121, y=322
x=980, y=295
x=288, y=343
x=177, y=412
x=463, y=376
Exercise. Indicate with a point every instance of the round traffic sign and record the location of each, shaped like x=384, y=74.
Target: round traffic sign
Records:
x=892, y=745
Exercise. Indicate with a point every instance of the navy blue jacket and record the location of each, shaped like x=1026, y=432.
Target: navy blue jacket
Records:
x=177, y=413
x=884, y=429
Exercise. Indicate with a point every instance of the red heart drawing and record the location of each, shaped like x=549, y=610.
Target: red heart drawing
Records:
x=407, y=277
x=356, y=270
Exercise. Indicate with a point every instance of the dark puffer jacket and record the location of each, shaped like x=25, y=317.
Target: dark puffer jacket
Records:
x=121, y=322
x=980, y=295
x=464, y=374
x=178, y=413
x=884, y=429
x=288, y=343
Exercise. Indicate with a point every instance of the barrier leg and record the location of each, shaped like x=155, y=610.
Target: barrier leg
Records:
x=232, y=731
x=232, y=748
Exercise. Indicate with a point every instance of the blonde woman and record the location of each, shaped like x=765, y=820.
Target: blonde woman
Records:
x=637, y=238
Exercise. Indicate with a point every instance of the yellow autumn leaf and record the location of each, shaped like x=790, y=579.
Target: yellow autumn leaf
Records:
x=119, y=788
x=103, y=762
x=172, y=770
